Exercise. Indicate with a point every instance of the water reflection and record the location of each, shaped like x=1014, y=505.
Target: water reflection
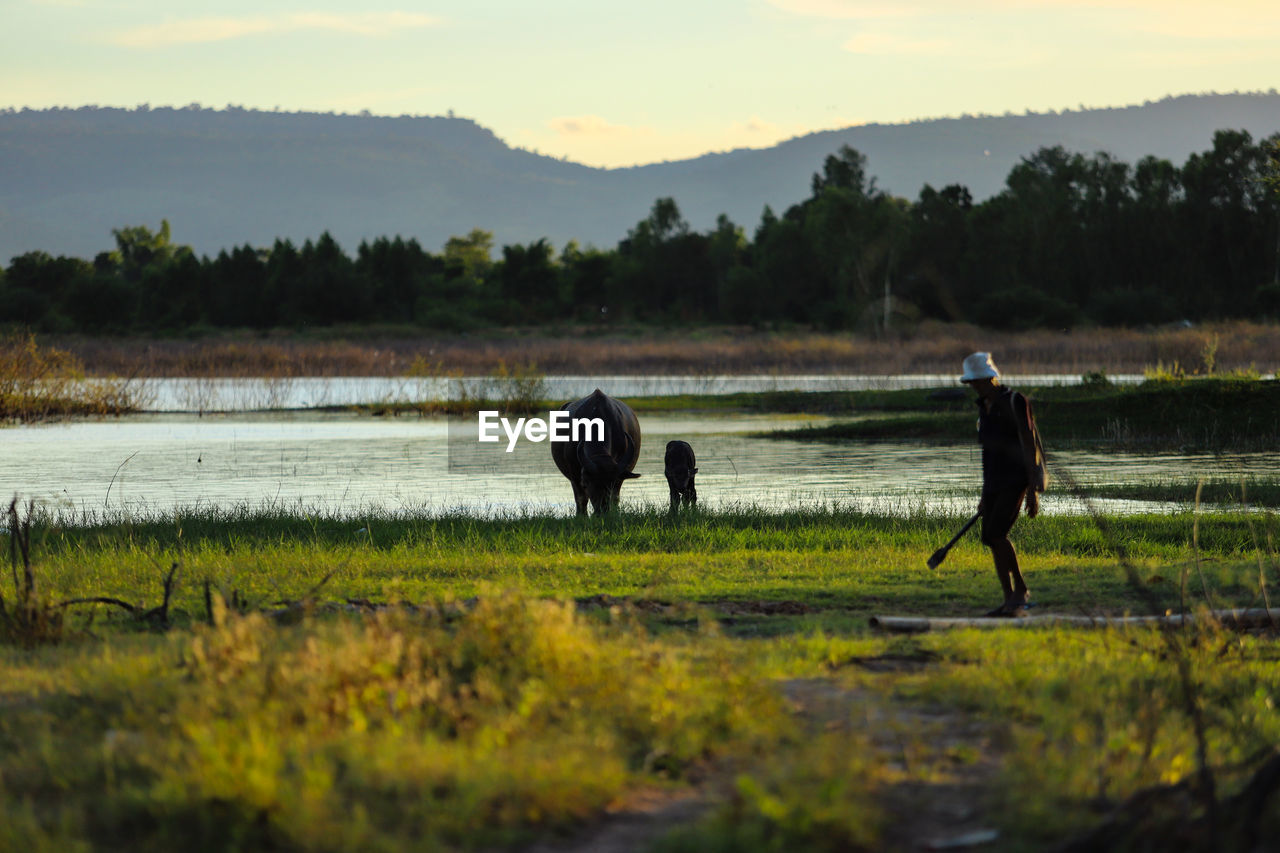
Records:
x=346, y=463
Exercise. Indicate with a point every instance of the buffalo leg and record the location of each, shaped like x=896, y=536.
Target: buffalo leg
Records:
x=580, y=498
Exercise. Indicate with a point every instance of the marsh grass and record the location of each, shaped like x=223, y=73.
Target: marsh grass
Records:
x=39, y=383
x=931, y=348
x=1219, y=413
x=1244, y=491
x=27, y=618
x=516, y=389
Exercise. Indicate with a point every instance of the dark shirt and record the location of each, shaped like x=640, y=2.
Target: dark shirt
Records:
x=1003, y=464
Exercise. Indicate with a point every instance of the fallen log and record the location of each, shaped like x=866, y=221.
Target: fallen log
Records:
x=1240, y=619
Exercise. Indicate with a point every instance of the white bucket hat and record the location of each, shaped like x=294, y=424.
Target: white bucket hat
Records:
x=979, y=366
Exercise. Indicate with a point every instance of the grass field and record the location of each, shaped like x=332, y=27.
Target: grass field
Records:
x=541, y=673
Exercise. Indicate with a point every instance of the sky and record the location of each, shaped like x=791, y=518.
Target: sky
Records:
x=611, y=83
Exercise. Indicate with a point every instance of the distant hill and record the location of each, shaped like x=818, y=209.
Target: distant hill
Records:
x=228, y=177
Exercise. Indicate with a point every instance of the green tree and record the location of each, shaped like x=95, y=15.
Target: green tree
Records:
x=529, y=282
x=240, y=289
x=469, y=257
x=662, y=270
x=586, y=275
x=937, y=255
x=727, y=251
x=139, y=247
x=1271, y=180
x=857, y=234
x=330, y=290
x=37, y=287
x=397, y=273
x=1228, y=225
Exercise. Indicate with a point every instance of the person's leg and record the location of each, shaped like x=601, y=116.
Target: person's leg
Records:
x=1006, y=560
x=1000, y=511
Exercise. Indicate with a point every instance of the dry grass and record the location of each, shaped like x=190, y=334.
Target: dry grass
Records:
x=39, y=382
x=930, y=348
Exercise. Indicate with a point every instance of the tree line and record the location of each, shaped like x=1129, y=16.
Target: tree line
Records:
x=1072, y=239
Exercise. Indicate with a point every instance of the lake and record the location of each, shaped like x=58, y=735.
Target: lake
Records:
x=346, y=463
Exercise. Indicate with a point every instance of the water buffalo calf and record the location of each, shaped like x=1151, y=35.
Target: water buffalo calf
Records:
x=596, y=468
x=680, y=468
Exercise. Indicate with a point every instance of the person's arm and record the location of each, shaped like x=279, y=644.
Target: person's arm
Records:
x=1022, y=410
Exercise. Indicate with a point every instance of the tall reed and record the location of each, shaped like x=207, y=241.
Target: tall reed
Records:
x=929, y=348
x=38, y=383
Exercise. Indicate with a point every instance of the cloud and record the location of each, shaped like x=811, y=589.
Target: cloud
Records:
x=882, y=44
x=1183, y=10
x=201, y=30
x=1232, y=22
x=590, y=126
x=755, y=124
x=757, y=131
x=845, y=9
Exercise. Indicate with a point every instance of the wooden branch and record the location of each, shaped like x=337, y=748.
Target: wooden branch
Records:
x=98, y=599
x=324, y=580
x=1240, y=619
x=160, y=614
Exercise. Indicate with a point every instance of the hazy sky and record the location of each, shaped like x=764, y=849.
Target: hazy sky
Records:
x=613, y=84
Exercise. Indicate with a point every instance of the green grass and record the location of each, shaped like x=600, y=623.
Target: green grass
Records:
x=827, y=558
x=1254, y=491
x=494, y=710
x=1205, y=413
x=1105, y=714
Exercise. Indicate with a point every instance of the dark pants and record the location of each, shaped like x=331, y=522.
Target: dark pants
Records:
x=1000, y=510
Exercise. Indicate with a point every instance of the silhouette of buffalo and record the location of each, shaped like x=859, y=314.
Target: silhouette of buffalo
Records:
x=595, y=467
x=680, y=468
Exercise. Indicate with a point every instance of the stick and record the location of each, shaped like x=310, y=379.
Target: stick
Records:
x=941, y=554
x=1238, y=619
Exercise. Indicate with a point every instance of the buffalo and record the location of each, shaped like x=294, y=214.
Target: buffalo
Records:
x=680, y=468
x=595, y=465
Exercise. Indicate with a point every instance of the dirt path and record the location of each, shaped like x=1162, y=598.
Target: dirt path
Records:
x=635, y=824
x=946, y=762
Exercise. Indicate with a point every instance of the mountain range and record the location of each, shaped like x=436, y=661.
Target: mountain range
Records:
x=230, y=177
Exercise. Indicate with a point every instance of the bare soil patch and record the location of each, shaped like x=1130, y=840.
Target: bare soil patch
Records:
x=944, y=761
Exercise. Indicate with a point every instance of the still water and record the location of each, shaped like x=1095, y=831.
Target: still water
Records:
x=346, y=463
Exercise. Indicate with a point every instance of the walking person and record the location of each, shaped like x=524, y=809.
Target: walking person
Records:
x=1013, y=472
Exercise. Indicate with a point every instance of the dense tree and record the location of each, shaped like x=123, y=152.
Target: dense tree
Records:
x=528, y=282
x=937, y=252
x=469, y=257
x=397, y=274
x=1072, y=238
